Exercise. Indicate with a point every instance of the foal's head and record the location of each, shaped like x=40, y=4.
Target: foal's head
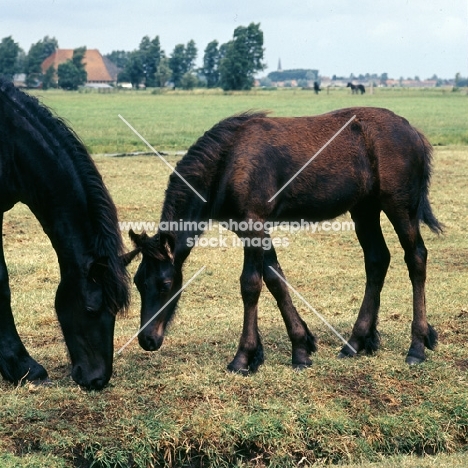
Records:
x=157, y=280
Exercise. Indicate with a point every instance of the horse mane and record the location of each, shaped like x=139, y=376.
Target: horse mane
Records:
x=53, y=132
x=203, y=163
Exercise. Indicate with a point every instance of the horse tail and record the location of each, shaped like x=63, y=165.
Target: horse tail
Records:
x=425, y=213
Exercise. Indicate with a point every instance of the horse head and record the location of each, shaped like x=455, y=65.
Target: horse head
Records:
x=157, y=279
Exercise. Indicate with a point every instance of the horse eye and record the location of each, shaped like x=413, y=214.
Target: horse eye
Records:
x=166, y=286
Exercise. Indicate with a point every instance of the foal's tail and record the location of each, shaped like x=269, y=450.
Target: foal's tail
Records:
x=425, y=213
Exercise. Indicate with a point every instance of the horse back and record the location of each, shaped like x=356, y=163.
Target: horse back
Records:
x=311, y=170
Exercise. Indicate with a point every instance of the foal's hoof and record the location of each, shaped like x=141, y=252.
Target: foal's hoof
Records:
x=413, y=360
x=233, y=370
x=346, y=352
x=302, y=366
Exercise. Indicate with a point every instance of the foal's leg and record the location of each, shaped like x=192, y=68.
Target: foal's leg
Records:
x=303, y=342
x=15, y=362
x=249, y=354
x=422, y=334
x=377, y=258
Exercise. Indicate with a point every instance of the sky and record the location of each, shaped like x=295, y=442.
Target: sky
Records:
x=404, y=38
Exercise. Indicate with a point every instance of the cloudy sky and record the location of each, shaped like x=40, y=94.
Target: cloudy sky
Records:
x=403, y=38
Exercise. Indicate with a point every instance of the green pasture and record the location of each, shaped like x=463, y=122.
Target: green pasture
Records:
x=178, y=407
x=172, y=121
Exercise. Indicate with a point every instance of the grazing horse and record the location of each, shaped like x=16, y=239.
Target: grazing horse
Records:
x=241, y=167
x=45, y=166
x=356, y=89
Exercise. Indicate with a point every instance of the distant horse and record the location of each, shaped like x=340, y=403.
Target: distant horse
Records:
x=356, y=89
x=45, y=166
x=316, y=87
x=379, y=162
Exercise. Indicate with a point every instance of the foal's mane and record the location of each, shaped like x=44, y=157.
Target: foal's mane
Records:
x=203, y=165
x=65, y=147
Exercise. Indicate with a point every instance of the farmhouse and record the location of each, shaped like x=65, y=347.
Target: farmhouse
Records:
x=100, y=70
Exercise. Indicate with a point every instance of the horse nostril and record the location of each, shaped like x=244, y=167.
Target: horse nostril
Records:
x=150, y=343
x=87, y=382
x=97, y=384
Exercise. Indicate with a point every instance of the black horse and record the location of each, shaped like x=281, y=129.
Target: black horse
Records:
x=242, y=166
x=356, y=89
x=45, y=166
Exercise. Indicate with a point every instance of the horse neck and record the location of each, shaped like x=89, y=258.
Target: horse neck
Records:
x=63, y=189
x=184, y=214
x=63, y=212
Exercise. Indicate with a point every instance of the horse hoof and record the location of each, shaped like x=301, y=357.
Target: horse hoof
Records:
x=302, y=366
x=413, y=360
x=243, y=372
x=342, y=355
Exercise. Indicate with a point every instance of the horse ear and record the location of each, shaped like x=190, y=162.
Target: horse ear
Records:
x=167, y=240
x=129, y=256
x=138, y=239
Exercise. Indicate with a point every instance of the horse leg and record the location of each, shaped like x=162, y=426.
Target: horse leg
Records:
x=249, y=354
x=16, y=364
x=377, y=258
x=422, y=334
x=302, y=340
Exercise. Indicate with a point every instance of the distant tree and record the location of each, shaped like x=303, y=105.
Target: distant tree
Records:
x=177, y=64
x=211, y=61
x=163, y=73
x=460, y=81
x=134, y=71
x=119, y=57
x=383, y=79
x=72, y=73
x=242, y=58
x=48, y=78
x=38, y=52
x=189, y=81
x=182, y=61
x=210, y=67
x=150, y=55
x=191, y=53
x=9, y=51
x=141, y=65
x=295, y=74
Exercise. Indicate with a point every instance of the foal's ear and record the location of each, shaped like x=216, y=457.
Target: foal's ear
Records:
x=129, y=256
x=167, y=240
x=138, y=239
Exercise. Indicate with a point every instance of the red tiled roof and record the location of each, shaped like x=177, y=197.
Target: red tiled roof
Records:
x=93, y=60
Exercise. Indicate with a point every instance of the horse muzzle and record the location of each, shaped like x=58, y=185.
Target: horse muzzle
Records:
x=150, y=342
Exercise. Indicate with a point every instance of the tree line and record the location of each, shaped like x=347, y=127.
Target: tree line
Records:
x=231, y=66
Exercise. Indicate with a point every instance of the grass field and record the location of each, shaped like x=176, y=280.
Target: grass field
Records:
x=172, y=121
x=178, y=406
